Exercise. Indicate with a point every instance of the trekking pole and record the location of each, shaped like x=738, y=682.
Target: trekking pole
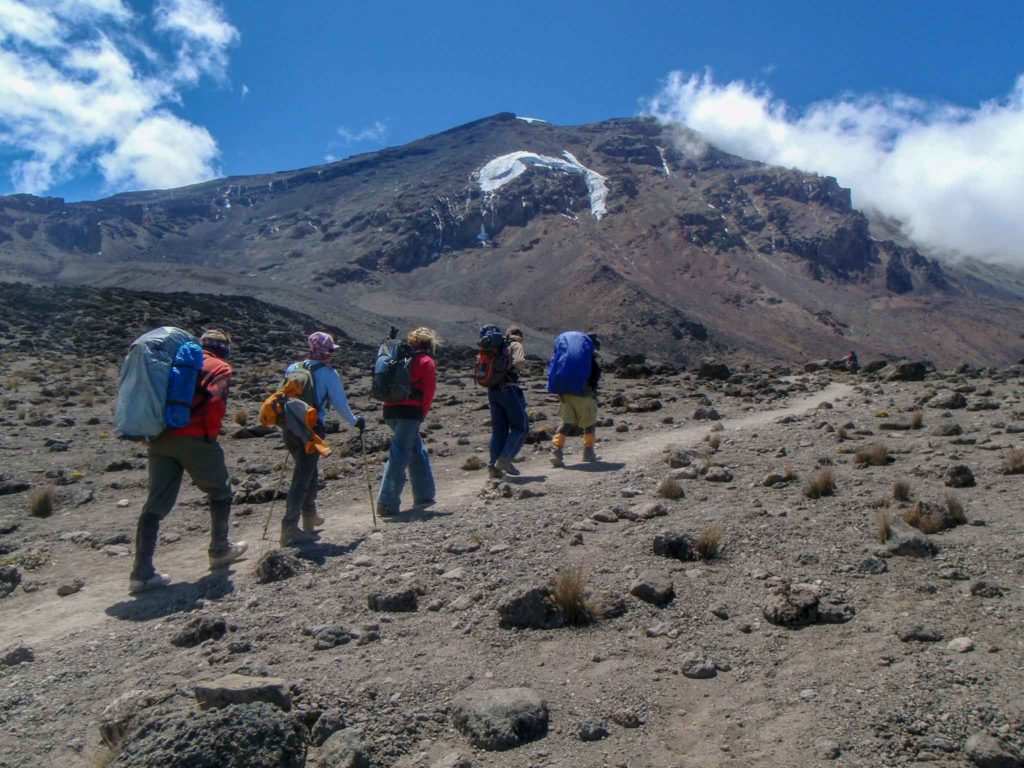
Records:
x=366, y=474
x=273, y=500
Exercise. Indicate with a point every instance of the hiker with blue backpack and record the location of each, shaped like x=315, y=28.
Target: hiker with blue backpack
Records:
x=320, y=387
x=405, y=380
x=500, y=360
x=573, y=374
x=173, y=395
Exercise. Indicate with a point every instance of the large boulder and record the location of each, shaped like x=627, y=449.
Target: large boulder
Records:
x=797, y=605
x=245, y=736
x=904, y=370
x=654, y=588
x=347, y=748
x=948, y=401
x=500, y=718
x=713, y=369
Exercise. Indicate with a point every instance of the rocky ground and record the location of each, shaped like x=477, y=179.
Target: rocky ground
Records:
x=459, y=635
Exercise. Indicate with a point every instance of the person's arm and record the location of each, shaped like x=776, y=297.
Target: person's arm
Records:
x=336, y=392
x=595, y=373
x=518, y=355
x=217, y=385
x=427, y=381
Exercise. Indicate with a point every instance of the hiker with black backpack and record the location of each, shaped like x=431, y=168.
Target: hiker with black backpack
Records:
x=319, y=387
x=573, y=374
x=500, y=359
x=405, y=380
x=191, y=448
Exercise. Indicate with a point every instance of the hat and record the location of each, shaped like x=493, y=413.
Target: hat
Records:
x=216, y=341
x=321, y=345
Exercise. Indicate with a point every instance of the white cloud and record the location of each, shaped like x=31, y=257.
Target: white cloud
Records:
x=245, y=91
x=73, y=97
x=370, y=134
x=951, y=175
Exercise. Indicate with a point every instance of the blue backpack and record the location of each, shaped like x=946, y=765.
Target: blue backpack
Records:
x=569, y=369
x=181, y=384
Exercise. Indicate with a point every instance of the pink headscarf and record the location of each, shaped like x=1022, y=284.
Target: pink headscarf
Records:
x=321, y=345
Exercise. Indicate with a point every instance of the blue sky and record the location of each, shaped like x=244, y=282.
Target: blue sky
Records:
x=196, y=87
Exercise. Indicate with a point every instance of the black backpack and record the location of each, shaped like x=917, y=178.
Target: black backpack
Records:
x=493, y=359
x=392, y=378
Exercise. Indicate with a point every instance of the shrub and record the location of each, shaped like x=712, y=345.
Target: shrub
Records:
x=709, y=541
x=1013, y=462
x=789, y=473
x=714, y=442
x=670, y=488
x=917, y=419
x=241, y=417
x=932, y=518
x=955, y=508
x=883, y=524
x=569, y=593
x=842, y=433
x=42, y=501
x=901, y=490
x=875, y=455
x=821, y=483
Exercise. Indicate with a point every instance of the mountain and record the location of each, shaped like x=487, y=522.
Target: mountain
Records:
x=639, y=231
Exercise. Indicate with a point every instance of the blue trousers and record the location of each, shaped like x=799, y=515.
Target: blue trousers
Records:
x=509, y=422
x=407, y=454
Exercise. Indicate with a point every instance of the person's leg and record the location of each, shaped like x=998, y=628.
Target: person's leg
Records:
x=205, y=464
x=164, y=483
x=403, y=435
x=567, y=418
x=310, y=518
x=499, y=424
x=518, y=424
x=420, y=475
x=588, y=420
x=304, y=468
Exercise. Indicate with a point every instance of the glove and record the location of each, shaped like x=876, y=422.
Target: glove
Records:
x=393, y=333
x=360, y=424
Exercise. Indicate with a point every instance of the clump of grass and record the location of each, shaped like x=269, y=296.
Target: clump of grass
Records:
x=789, y=473
x=882, y=502
x=1013, y=462
x=932, y=518
x=821, y=483
x=875, y=455
x=842, y=433
x=917, y=419
x=332, y=472
x=473, y=463
x=42, y=501
x=569, y=593
x=670, y=488
x=714, y=442
x=709, y=541
x=955, y=508
x=901, y=490
x=241, y=417
x=883, y=524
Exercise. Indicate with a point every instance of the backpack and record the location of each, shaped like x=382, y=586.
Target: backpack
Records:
x=392, y=377
x=569, y=369
x=493, y=360
x=298, y=384
x=302, y=377
x=157, y=384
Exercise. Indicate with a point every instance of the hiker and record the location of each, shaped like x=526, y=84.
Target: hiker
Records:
x=499, y=363
x=407, y=452
x=193, y=449
x=852, y=364
x=573, y=374
x=327, y=392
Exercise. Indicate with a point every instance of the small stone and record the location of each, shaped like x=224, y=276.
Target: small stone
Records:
x=199, y=630
x=986, y=751
x=827, y=750
x=960, y=645
x=626, y=718
x=399, y=601
x=718, y=475
x=500, y=718
x=452, y=760
x=674, y=545
x=697, y=666
x=982, y=588
x=363, y=561
x=240, y=689
x=70, y=588
x=604, y=516
x=960, y=476
x=593, y=730
x=918, y=633
x=652, y=587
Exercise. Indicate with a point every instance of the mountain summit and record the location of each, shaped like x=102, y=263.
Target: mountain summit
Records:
x=639, y=231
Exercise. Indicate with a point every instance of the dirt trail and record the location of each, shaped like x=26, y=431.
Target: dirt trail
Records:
x=105, y=596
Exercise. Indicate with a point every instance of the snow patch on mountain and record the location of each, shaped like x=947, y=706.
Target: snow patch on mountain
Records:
x=506, y=168
x=530, y=120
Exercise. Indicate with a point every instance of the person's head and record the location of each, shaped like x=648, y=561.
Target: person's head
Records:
x=216, y=342
x=423, y=340
x=321, y=346
x=515, y=332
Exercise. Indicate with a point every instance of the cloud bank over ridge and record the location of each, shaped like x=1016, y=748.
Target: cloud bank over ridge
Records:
x=952, y=176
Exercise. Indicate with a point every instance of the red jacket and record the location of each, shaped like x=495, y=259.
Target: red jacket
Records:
x=423, y=373
x=211, y=400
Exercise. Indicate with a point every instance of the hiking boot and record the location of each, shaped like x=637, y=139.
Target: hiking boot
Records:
x=494, y=473
x=424, y=503
x=235, y=552
x=383, y=511
x=589, y=454
x=156, y=581
x=506, y=466
x=557, y=459
x=293, y=537
x=312, y=522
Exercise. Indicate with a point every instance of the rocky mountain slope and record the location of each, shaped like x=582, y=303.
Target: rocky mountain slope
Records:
x=626, y=227
x=575, y=618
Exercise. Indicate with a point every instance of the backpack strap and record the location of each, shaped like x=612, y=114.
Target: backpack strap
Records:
x=313, y=366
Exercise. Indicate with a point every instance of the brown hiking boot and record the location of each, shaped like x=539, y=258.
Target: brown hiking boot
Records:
x=235, y=552
x=494, y=473
x=506, y=466
x=557, y=459
x=293, y=537
x=590, y=454
x=311, y=522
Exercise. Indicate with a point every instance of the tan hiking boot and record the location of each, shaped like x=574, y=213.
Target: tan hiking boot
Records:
x=235, y=552
x=293, y=537
x=557, y=457
x=312, y=522
x=506, y=466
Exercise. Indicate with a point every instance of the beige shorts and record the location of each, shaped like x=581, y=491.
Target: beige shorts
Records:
x=578, y=410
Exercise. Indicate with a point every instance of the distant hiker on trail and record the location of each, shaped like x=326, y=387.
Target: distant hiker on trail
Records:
x=415, y=362
x=500, y=360
x=193, y=449
x=322, y=389
x=573, y=374
x=852, y=364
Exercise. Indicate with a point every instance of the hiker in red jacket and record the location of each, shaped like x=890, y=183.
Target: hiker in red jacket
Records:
x=193, y=449
x=407, y=451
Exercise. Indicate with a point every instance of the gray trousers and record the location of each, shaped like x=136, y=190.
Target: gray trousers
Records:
x=170, y=456
x=305, y=482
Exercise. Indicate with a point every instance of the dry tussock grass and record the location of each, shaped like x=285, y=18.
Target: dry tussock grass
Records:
x=670, y=488
x=1013, y=462
x=42, y=501
x=875, y=455
x=917, y=419
x=932, y=518
x=709, y=541
x=241, y=417
x=901, y=490
x=789, y=473
x=955, y=508
x=821, y=483
x=714, y=442
x=883, y=524
x=569, y=592
x=842, y=433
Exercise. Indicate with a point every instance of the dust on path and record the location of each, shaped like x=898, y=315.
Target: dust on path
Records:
x=105, y=597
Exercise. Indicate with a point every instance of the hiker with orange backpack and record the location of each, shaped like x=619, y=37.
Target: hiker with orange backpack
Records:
x=405, y=380
x=320, y=388
x=500, y=359
x=192, y=448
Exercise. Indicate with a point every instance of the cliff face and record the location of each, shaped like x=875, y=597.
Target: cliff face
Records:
x=608, y=226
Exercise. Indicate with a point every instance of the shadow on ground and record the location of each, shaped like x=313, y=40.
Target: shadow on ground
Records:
x=178, y=597
x=596, y=466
